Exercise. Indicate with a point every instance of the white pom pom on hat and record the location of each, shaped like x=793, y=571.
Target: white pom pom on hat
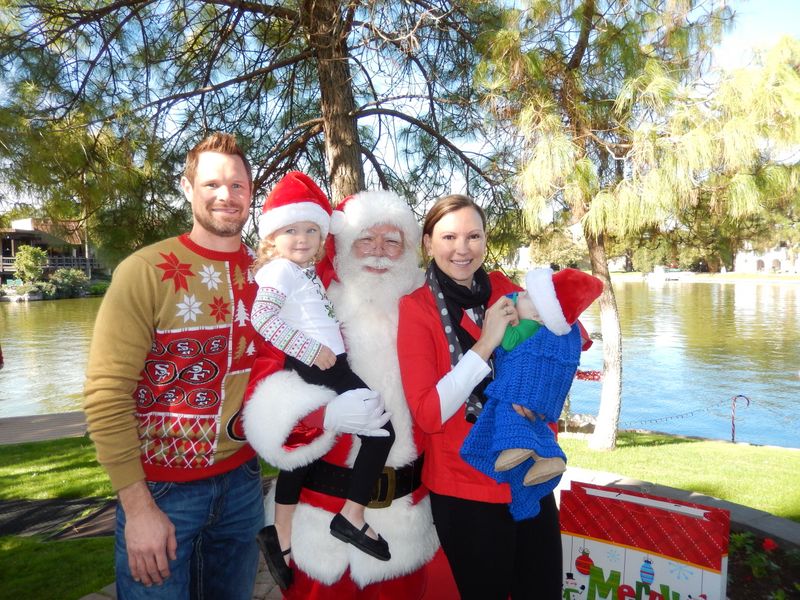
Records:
x=561, y=297
x=295, y=198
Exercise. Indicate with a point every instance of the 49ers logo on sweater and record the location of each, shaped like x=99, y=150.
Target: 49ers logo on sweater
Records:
x=182, y=372
x=171, y=397
x=161, y=372
x=217, y=344
x=202, y=398
x=186, y=348
x=200, y=372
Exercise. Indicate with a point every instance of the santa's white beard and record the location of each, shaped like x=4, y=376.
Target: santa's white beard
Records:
x=401, y=277
x=367, y=307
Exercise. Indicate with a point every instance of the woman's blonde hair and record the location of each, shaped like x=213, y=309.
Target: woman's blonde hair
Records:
x=267, y=252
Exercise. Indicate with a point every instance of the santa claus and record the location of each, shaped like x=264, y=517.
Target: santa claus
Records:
x=375, y=262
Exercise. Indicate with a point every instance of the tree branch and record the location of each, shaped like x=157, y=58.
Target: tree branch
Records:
x=216, y=87
x=583, y=39
x=433, y=133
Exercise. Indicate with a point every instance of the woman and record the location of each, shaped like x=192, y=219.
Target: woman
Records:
x=448, y=330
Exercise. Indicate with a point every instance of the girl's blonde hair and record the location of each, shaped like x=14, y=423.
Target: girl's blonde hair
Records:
x=266, y=252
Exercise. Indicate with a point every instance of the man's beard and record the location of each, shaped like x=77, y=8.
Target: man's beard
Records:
x=219, y=227
x=386, y=288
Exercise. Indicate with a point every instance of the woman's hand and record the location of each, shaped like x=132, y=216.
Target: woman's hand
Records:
x=523, y=411
x=498, y=316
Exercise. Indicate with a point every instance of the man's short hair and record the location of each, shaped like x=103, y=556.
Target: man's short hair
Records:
x=224, y=143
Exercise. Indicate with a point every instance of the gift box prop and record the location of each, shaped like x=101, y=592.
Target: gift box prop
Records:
x=618, y=544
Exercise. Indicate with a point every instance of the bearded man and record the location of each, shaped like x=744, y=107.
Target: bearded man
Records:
x=376, y=263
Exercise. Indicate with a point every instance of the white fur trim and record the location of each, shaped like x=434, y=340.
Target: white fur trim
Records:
x=281, y=216
x=338, y=222
x=315, y=551
x=366, y=209
x=542, y=292
x=277, y=403
x=408, y=529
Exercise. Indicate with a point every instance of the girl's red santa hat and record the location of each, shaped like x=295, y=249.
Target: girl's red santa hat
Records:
x=296, y=198
x=561, y=297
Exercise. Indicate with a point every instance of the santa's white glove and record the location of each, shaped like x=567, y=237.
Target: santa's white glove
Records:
x=358, y=411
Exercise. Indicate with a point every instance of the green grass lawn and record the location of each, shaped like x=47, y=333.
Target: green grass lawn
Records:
x=765, y=478
x=33, y=569
x=55, y=469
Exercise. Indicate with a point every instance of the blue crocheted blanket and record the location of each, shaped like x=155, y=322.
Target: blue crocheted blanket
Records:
x=537, y=374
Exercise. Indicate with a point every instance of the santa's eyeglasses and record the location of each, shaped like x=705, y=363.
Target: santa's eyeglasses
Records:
x=391, y=246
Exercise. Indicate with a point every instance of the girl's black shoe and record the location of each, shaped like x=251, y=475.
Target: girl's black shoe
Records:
x=273, y=555
x=344, y=530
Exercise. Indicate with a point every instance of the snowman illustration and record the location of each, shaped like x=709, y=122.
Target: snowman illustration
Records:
x=570, y=588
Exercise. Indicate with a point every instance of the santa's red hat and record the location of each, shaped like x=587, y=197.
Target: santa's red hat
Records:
x=561, y=297
x=295, y=198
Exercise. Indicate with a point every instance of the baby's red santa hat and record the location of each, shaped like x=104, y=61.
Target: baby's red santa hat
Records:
x=561, y=297
x=295, y=198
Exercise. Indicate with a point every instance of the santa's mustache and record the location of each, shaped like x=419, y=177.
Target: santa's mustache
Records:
x=376, y=262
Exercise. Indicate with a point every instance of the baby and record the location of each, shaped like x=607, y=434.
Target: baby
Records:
x=512, y=440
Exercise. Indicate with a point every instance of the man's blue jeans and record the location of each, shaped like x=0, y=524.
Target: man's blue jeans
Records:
x=216, y=521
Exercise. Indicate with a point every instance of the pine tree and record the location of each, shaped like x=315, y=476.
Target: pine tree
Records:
x=242, y=314
x=238, y=278
x=241, y=348
x=557, y=72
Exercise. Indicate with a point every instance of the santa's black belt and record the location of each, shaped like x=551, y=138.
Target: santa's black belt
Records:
x=334, y=480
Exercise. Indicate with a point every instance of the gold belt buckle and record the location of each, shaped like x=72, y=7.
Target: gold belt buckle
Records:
x=387, y=490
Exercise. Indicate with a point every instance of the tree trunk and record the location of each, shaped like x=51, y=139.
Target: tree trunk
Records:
x=605, y=430
x=327, y=28
x=86, y=252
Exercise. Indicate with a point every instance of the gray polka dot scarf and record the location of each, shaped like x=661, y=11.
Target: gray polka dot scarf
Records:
x=451, y=300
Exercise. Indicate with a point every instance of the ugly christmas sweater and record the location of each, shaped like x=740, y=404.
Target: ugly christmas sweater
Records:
x=169, y=362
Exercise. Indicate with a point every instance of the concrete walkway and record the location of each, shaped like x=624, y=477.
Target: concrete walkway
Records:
x=16, y=430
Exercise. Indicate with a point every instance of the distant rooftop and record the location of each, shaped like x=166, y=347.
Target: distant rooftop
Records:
x=61, y=233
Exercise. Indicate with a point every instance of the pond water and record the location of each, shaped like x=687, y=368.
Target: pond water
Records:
x=688, y=348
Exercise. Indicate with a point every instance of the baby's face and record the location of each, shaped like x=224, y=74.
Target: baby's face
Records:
x=525, y=307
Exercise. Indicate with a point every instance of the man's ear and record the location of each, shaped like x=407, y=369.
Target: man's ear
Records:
x=186, y=186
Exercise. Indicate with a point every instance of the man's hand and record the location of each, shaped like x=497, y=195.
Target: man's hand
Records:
x=149, y=535
x=357, y=411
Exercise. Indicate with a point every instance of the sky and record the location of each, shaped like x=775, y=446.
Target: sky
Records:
x=759, y=24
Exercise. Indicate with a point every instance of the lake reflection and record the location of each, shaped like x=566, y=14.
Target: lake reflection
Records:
x=688, y=348
x=45, y=346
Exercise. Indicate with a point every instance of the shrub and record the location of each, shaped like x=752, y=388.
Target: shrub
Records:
x=30, y=262
x=70, y=283
x=45, y=288
x=98, y=288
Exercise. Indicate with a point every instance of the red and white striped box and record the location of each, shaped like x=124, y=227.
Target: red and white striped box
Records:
x=620, y=544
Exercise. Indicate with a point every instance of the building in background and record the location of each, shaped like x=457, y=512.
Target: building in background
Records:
x=63, y=243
